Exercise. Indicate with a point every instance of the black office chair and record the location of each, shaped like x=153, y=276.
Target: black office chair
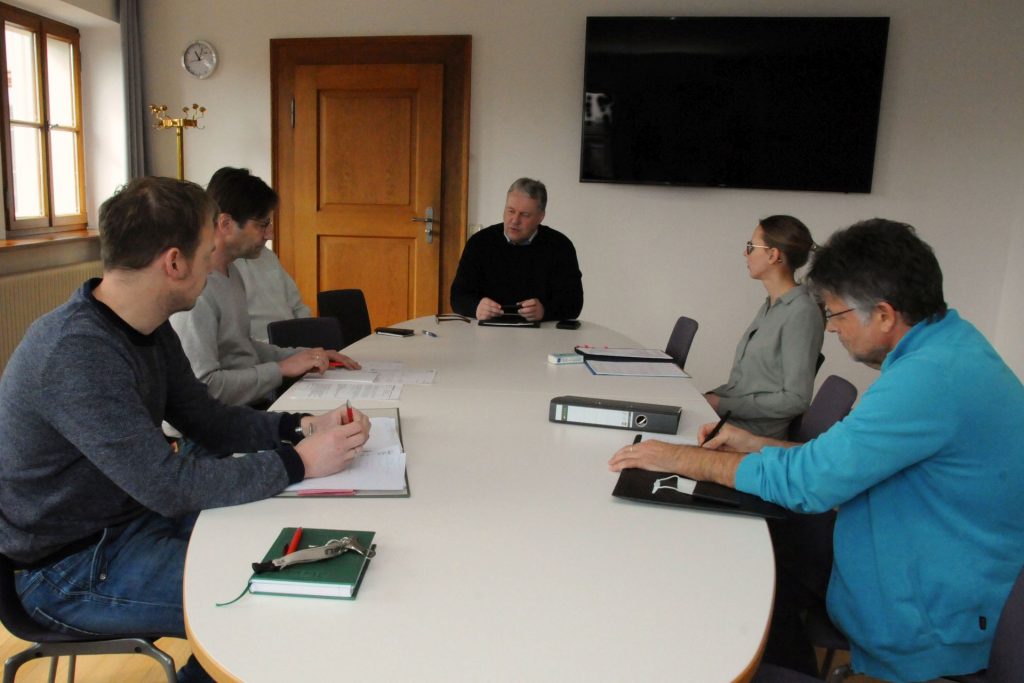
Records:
x=348, y=306
x=1005, y=661
x=309, y=332
x=833, y=402
x=681, y=339
x=47, y=643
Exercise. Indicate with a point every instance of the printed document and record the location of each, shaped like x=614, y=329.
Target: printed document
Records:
x=343, y=391
x=381, y=467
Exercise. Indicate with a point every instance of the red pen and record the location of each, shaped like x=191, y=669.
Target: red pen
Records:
x=294, y=545
x=348, y=410
x=335, y=364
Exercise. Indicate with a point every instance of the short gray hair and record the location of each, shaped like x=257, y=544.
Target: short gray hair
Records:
x=534, y=189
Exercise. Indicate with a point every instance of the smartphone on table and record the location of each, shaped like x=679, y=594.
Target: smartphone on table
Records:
x=395, y=331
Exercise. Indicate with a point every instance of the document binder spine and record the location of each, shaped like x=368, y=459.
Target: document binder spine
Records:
x=599, y=412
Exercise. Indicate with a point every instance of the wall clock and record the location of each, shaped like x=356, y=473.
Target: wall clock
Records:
x=199, y=59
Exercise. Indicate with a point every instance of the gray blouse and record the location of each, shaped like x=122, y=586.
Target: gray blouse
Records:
x=772, y=377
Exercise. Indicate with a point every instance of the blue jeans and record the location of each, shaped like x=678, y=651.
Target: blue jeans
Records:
x=128, y=583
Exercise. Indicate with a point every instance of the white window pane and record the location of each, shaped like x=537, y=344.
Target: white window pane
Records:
x=64, y=154
x=28, y=172
x=60, y=81
x=22, y=88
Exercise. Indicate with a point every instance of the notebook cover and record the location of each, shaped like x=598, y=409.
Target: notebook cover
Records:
x=636, y=484
x=346, y=569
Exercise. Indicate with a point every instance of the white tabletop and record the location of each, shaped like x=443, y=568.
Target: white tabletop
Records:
x=510, y=561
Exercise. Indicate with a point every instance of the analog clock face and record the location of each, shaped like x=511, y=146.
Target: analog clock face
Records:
x=199, y=59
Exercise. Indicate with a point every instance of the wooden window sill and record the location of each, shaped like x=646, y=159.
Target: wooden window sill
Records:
x=40, y=240
x=48, y=251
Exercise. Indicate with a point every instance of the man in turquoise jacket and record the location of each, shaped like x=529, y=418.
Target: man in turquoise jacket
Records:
x=927, y=471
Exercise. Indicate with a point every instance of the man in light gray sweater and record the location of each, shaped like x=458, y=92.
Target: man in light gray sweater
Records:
x=96, y=509
x=215, y=334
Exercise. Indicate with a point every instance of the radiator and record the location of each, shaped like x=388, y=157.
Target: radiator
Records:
x=26, y=296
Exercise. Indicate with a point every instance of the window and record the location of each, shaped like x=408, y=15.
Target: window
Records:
x=43, y=168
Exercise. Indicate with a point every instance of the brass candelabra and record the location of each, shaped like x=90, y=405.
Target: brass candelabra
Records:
x=190, y=119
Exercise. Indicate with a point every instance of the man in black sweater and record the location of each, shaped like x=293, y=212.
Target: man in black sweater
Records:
x=519, y=263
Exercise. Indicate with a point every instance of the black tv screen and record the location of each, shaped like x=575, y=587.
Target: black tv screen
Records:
x=771, y=103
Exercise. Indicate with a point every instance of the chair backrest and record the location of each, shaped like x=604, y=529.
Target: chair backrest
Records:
x=831, y=404
x=309, y=332
x=681, y=339
x=1006, y=662
x=348, y=306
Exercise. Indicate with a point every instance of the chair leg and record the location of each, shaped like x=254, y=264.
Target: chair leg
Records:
x=826, y=664
x=71, y=668
x=101, y=647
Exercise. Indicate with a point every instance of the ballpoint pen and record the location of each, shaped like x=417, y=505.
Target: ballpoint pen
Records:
x=718, y=427
x=348, y=411
x=429, y=333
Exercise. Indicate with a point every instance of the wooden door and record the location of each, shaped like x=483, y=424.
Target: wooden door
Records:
x=363, y=145
x=368, y=162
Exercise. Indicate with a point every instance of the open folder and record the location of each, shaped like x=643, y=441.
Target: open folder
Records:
x=672, y=489
x=379, y=472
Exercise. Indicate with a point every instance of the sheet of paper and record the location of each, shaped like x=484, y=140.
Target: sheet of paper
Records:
x=379, y=365
x=383, y=435
x=635, y=369
x=341, y=375
x=344, y=391
x=653, y=354
x=406, y=377
x=381, y=467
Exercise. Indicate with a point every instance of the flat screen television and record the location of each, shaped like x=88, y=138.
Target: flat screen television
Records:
x=770, y=103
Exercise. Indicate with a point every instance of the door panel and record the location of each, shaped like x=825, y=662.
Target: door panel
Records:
x=367, y=162
x=371, y=131
x=380, y=266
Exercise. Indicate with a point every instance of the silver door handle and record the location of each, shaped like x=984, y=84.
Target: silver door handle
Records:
x=428, y=230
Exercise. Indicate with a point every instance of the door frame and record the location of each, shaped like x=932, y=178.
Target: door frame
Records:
x=454, y=53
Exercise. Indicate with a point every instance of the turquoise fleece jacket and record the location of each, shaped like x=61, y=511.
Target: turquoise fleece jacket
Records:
x=928, y=474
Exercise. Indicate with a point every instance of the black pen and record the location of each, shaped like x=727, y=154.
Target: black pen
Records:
x=718, y=427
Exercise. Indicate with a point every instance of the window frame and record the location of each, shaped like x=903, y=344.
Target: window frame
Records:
x=42, y=27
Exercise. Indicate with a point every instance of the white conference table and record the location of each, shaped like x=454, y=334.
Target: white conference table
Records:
x=511, y=560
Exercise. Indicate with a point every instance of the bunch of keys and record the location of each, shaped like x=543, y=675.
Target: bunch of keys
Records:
x=332, y=548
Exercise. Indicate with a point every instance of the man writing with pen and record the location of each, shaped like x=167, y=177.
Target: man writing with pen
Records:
x=926, y=472
x=97, y=508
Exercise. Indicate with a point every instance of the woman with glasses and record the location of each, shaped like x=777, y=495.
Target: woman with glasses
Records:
x=772, y=377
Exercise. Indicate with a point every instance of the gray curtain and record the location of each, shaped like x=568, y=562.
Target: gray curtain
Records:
x=131, y=50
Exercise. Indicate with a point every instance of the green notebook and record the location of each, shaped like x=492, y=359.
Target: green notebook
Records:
x=337, y=577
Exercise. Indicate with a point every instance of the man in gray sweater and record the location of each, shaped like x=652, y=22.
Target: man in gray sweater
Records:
x=96, y=509
x=215, y=333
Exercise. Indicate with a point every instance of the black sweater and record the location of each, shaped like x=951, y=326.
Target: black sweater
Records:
x=546, y=269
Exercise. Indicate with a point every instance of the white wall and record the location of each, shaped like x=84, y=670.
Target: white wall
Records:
x=950, y=154
x=106, y=145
